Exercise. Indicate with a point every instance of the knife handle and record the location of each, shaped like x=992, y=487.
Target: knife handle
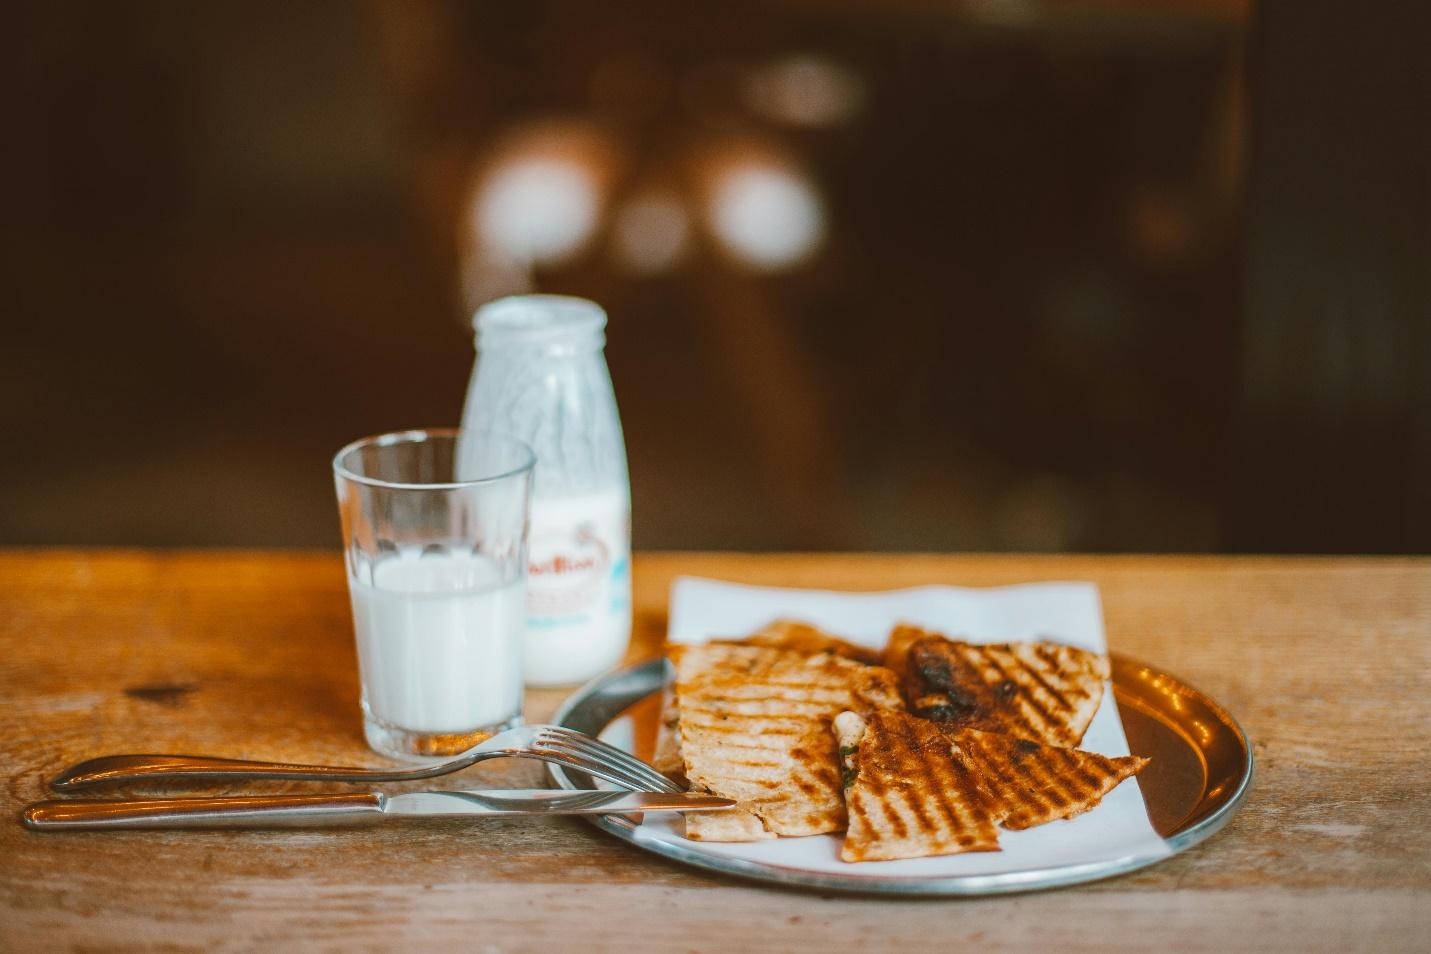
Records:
x=230, y=811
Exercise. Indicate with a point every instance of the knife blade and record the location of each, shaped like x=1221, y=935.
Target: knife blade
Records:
x=544, y=801
x=282, y=811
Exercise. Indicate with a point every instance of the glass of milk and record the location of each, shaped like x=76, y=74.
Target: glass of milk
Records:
x=437, y=567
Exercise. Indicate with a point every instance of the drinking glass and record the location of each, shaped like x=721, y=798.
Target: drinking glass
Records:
x=437, y=566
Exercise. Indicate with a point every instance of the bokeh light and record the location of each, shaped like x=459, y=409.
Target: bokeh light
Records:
x=766, y=215
x=539, y=198
x=805, y=90
x=538, y=210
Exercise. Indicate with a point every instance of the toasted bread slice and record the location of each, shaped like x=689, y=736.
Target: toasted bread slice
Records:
x=915, y=788
x=786, y=634
x=733, y=824
x=1046, y=692
x=1032, y=783
x=910, y=791
x=795, y=636
x=754, y=726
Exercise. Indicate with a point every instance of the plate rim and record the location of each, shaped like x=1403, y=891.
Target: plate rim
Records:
x=1010, y=882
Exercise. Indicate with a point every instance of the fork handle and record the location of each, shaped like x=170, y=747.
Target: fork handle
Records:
x=117, y=769
x=253, y=811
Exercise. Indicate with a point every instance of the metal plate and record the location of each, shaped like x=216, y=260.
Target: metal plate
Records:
x=1200, y=773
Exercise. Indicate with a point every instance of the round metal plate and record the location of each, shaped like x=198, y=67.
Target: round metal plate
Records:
x=1200, y=773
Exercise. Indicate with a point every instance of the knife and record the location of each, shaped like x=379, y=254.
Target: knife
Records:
x=285, y=811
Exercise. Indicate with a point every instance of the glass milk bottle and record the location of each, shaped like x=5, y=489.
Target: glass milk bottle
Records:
x=541, y=377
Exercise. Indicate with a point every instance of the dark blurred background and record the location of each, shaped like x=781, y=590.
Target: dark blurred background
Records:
x=991, y=274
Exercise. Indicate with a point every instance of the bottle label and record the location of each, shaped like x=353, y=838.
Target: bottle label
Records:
x=577, y=555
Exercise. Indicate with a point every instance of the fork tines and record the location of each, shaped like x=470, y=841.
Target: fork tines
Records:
x=601, y=759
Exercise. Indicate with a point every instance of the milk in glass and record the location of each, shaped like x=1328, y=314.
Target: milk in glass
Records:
x=439, y=642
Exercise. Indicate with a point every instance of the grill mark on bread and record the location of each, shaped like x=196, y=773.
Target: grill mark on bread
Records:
x=798, y=692
x=896, y=818
x=1047, y=782
x=899, y=744
x=1046, y=779
x=913, y=786
x=1054, y=790
x=794, y=681
x=1081, y=772
x=767, y=783
x=952, y=816
x=1050, y=657
x=914, y=794
x=737, y=746
x=737, y=696
x=1043, y=691
x=873, y=778
x=879, y=797
x=742, y=730
x=887, y=812
x=1045, y=717
x=807, y=640
x=1050, y=723
x=1029, y=788
x=754, y=726
x=964, y=781
x=856, y=806
x=736, y=700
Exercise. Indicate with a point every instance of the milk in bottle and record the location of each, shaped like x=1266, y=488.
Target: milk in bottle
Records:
x=541, y=377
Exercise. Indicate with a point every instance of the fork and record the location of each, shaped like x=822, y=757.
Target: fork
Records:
x=548, y=743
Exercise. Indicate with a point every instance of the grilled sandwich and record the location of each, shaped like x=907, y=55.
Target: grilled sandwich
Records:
x=915, y=788
x=807, y=640
x=1032, y=784
x=910, y=791
x=1045, y=692
x=754, y=725
x=787, y=634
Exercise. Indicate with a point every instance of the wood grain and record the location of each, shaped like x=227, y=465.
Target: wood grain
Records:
x=1325, y=662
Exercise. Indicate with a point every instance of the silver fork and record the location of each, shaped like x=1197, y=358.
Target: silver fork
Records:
x=549, y=743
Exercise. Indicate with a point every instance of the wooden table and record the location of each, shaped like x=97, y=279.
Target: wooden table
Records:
x=1325, y=662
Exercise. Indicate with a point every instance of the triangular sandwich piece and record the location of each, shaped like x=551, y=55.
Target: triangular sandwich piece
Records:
x=754, y=725
x=910, y=791
x=786, y=634
x=1047, y=692
x=1032, y=783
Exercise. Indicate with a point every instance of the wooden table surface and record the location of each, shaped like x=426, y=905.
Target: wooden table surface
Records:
x=249, y=654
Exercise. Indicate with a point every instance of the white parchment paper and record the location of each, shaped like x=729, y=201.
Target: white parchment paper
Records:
x=1064, y=612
